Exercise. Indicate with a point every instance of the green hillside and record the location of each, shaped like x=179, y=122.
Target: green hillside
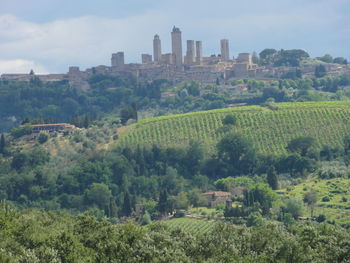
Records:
x=333, y=197
x=270, y=130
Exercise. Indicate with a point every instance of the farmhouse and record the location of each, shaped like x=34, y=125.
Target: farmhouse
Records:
x=52, y=127
x=218, y=197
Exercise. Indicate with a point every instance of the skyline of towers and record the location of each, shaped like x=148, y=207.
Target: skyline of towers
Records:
x=157, y=49
x=193, y=56
x=176, y=46
x=225, y=49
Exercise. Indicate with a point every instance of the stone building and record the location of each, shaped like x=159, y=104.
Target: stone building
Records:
x=167, y=59
x=117, y=61
x=146, y=58
x=176, y=47
x=52, y=127
x=157, y=49
x=245, y=58
x=218, y=197
x=225, y=49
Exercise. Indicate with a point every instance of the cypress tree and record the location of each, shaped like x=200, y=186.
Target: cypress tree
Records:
x=126, y=208
x=134, y=111
x=2, y=144
x=272, y=178
x=163, y=202
x=113, y=209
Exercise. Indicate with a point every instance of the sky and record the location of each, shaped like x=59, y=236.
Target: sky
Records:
x=48, y=36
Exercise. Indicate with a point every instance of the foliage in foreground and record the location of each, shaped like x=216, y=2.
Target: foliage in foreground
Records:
x=36, y=236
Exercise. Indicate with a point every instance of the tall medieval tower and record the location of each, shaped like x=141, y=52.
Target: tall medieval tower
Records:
x=225, y=50
x=157, y=49
x=176, y=46
x=117, y=61
x=190, y=54
x=199, y=52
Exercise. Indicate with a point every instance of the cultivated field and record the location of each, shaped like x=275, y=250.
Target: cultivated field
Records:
x=270, y=130
x=190, y=225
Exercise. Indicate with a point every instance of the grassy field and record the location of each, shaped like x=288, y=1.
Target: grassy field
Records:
x=333, y=197
x=190, y=225
x=270, y=130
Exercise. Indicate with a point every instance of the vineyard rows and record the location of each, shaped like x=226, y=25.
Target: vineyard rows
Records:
x=190, y=225
x=270, y=130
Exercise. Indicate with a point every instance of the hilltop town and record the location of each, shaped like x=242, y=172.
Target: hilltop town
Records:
x=177, y=67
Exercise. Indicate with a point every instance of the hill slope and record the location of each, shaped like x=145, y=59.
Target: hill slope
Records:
x=270, y=130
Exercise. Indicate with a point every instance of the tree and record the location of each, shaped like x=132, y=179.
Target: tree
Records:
x=20, y=160
x=310, y=198
x=255, y=58
x=163, y=202
x=146, y=219
x=126, y=208
x=194, y=158
x=100, y=194
x=290, y=57
x=320, y=71
x=134, y=111
x=272, y=179
x=43, y=137
x=229, y=119
x=340, y=60
x=260, y=194
x=237, y=152
x=193, y=88
x=87, y=121
x=293, y=206
x=2, y=144
x=301, y=145
x=326, y=58
x=267, y=53
x=128, y=113
x=347, y=144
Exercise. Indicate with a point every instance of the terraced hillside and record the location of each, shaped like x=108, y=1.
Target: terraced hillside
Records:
x=270, y=130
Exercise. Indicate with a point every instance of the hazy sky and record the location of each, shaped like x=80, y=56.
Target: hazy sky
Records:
x=51, y=35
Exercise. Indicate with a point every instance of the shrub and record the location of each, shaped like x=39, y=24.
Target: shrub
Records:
x=220, y=207
x=21, y=131
x=333, y=170
x=43, y=137
x=179, y=214
x=229, y=119
x=321, y=218
x=326, y=199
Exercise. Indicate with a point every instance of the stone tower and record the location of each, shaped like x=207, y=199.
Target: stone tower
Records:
x=176, y=46
x=157, y=49
x=199, y=52
x=225, y=50
x=190, y=53
x=118, y=61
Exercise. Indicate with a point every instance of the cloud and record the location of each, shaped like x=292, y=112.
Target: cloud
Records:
x=85, y=41
x=21, y=66
x=319, y=26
